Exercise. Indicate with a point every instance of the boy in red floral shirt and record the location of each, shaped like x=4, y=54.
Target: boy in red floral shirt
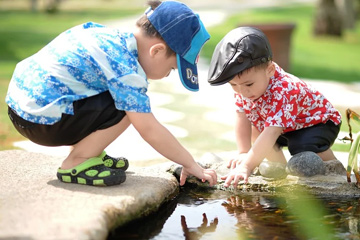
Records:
x=274, y=108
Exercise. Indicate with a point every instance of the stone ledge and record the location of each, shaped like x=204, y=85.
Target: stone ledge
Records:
x=35, y=205
x=329, y=184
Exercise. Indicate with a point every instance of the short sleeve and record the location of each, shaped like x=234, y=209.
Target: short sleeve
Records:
x=127, y=81
x=239, y=105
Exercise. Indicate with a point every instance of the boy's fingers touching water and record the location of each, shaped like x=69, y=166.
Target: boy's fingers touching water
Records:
x=203, y=174
x=234, y=162
x=235, y=175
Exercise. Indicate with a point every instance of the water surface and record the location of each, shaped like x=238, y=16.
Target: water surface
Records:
x=248, y=215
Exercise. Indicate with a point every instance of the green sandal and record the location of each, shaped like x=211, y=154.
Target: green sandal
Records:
x=115, y=163
x=92, y=172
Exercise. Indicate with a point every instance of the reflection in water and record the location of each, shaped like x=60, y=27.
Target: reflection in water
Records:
x=147, y=227
x=260, y=218
x=197, y=233
x=246, y=215
x=344, y=215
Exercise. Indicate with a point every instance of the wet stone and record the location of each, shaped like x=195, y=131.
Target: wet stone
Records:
x=334, y=167
x=274, y=170
x=333, y=183
x=305, y=164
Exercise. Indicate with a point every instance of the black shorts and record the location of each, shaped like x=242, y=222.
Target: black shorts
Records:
x=317, y=138
x=90, y=114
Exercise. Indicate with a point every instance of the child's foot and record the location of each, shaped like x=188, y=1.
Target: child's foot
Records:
x=92, y=172
x=115, y=163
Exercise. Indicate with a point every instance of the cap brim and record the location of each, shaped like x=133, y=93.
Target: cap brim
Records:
x=188, y=74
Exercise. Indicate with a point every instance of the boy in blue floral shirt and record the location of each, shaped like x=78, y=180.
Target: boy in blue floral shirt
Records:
x=89, y=84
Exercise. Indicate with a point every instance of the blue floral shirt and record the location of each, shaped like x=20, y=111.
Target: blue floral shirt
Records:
x=81, y=62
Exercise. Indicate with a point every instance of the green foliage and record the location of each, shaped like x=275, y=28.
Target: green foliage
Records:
x=312, y=57
x=353, y=154
x=22, y=33
x=355, y=146
x=309, y=212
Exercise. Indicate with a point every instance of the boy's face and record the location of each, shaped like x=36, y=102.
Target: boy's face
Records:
x=253, y=83
x=157, y=64
x=162, y=68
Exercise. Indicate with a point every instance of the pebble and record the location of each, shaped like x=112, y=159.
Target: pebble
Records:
x=272, y=169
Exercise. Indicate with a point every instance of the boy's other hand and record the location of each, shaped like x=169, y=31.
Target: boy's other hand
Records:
x=236, y=161
x=241, y=172
x=199, y=172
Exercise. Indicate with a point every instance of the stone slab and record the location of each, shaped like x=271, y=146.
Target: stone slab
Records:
x=35, y=205
x=332, y=183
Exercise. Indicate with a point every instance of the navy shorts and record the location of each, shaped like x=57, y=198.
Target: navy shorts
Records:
x=90, y=114
x=317, y=138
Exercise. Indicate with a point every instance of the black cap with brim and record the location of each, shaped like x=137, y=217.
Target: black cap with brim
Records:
x=240, y=49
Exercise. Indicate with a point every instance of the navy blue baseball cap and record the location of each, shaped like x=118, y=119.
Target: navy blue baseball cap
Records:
x=184, y=33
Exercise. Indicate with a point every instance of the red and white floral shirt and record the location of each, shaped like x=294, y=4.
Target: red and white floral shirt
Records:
x=289, y=103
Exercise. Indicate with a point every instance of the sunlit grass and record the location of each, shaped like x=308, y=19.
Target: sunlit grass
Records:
x=22, y=33
x=204, y=135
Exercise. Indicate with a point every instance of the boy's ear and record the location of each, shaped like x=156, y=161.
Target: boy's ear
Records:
x=270, y=70
x=158, y=48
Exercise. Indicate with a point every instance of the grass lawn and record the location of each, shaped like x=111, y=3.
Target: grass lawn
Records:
x=22, y=33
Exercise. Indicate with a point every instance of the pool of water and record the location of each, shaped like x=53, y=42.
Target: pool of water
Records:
x=248, y=215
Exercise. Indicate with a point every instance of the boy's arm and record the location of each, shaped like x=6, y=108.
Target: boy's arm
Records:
x=166, y=144
x=260, y=149
x=242, y=132
x=243, y=138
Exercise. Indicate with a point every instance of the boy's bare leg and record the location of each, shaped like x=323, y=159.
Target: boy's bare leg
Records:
x=94, y=144
x=327, y=155
x=276, y=154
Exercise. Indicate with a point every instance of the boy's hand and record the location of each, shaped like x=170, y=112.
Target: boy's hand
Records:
x=237, y=174
x=236, y=161
x=199, y=172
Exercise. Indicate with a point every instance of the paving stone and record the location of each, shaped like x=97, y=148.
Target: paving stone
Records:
x=34, y=204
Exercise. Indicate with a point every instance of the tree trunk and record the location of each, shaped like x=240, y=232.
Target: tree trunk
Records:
x=348, y=12
x=52, y=6
x=328, y=19
x=34, y=5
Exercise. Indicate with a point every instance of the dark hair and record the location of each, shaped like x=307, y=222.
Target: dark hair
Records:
x=256, y=67
x=149, y=29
